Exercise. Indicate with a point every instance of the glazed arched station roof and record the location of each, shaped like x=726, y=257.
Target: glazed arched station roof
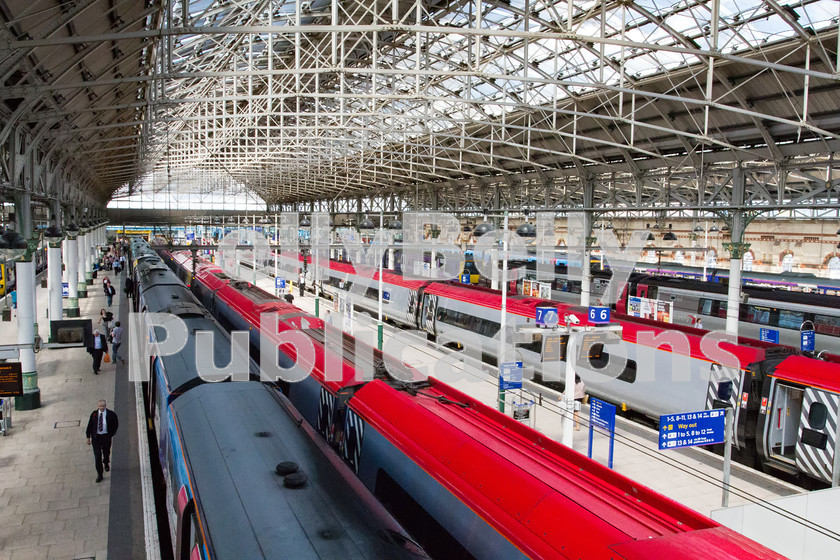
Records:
x=629, y=105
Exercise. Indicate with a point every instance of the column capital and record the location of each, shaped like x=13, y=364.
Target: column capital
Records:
x=736, y=250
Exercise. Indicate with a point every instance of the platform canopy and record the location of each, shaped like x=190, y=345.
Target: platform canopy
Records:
x=652, y=101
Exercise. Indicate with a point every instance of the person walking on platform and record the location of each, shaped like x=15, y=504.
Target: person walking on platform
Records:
x=580, y=394
x=99, y=347
x=116, y=341
x=109, y=292
x=129, y=287
x=101, y=427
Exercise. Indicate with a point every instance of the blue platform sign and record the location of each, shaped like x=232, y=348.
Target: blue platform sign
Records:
x=602, y=415
x=191, y=237
x=510, y=376
x=65, y=289
x=547, y=316
x=692, y=428
x=280, y=283
x=599, y=314
x=808, y=341
x=768, y=335
x=465, y=278
x=386, y=296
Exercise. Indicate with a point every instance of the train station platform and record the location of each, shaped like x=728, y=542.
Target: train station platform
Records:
x=52, y=508
x=50, y=505
x=691, y=476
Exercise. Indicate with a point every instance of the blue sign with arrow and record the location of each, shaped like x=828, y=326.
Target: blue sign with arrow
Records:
x=692, y=428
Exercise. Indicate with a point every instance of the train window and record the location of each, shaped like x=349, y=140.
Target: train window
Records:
x=825, y=324
x=790, y=319
x=534, y=346
x=483, y=327
x=724, y=391
x=817, y=415
x=758, y=315
x=600, y=359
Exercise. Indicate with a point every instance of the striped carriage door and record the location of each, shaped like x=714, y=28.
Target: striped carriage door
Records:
x=326, y=407
x=719, y=374
x=817, y=461
x=354, y=432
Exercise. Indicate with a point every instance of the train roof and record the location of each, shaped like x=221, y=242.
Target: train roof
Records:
x=250, y=302
x=181, y=368
x=810, y=372
x=747, y=351
x=562, y=505
x=233, y=435
x=394, y=278
x=516, y=304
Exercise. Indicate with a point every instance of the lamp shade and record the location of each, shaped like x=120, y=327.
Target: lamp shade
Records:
x=482, y=228
x=367, y=223
x=526, y=230
x=53, y=231
x=669, y=236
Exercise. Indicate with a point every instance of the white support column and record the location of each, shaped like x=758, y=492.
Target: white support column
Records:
x=55, y=312
x=25, y=272
x=71, y=263
x=569, y=390
x=81, y=249
x=734, y=297
x=585, y=280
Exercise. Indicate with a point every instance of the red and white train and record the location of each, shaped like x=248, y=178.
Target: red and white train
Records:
x=466, y=480
x=786, y=404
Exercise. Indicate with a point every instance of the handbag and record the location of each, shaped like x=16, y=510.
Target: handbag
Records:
x=106, y=358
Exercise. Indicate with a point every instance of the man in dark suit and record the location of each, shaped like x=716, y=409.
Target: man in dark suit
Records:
x=97, y=349
x=102, y=426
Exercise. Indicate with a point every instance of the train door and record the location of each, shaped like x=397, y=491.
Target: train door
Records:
x=642, y=290
x=428, y=313
x=783, y=413
x=621, y=304
x=723, y=388
x=816, y=449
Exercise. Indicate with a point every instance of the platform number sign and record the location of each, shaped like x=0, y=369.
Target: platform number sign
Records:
x=599, y=314
x=807, y=340
x=547, y=316
x=280, y=283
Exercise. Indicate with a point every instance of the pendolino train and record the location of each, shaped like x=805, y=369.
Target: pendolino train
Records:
x=244, y=475
x=786, y=405
x=464, y=479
